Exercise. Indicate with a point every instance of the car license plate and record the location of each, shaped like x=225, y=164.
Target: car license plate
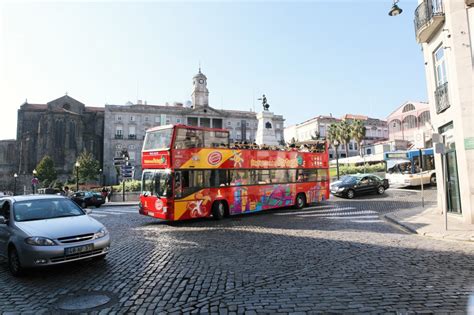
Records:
x=78, y=249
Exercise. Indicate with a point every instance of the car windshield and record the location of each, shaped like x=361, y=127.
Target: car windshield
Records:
x=40, y=209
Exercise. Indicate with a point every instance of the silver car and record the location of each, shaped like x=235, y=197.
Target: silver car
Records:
x=43, y=230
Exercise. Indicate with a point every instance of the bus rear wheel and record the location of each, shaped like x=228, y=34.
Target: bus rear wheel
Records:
x=218, y=210
x=300, y=201
x=433, y=179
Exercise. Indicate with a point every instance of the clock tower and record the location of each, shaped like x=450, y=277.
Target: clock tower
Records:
x=200, y=95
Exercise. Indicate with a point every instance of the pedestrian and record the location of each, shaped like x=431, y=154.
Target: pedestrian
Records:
x=67, y=192
x=104, y=193
x=109, y=194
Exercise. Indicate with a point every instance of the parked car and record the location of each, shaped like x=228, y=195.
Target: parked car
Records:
x=88, y=198
x=43, y=230
x=351, y=185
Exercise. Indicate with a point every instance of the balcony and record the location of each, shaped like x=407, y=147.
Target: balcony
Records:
x=118, y=136
x=133, y=137
x=442, y=99
x=429, y=17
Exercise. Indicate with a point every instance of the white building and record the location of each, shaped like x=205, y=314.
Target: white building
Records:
x=409, y=119
x=376, y=130
x=445, y=30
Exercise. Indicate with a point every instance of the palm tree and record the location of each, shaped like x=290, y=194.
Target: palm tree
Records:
x=345, y=135
x=333, y=136
x=358, y=133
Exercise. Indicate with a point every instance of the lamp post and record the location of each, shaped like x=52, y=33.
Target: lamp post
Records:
x=77, y=175
x=336, y=145
x=395, y=10
x=34, y=181
x=100, y=177
x=14, y=183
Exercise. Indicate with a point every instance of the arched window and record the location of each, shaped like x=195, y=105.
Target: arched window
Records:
x=72, y=135
x=395, y=125
x=408, y=107
x=268, y=125
x=59, y=134
x=409, y=122
x=424, y=117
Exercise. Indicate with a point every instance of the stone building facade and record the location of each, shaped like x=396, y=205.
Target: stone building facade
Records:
x=125, y=125
x=62, y=129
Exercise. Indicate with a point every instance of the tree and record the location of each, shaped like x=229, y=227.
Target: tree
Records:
x=358, y=133
x=88, y=167
x=45, y=170
x=345, y=135
x=333, y=136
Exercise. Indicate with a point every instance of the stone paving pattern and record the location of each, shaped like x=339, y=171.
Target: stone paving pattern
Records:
x=337, y=257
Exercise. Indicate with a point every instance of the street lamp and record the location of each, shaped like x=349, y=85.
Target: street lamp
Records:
x=34, y=181
x=336, y=144
x=395, y=9
x=77, y=175
x=100, y=177
x=14, y=185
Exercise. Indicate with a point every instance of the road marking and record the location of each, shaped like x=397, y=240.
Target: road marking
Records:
x=97, y=215
x=315, y=211
x=355, y=217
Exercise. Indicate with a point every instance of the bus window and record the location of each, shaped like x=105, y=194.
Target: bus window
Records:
x=147, y=182
x=216, y=139
x=219, y=178
x=188, y=138
x=158, y=139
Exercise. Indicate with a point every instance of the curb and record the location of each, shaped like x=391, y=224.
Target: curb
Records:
x=400, y=224
x=120, y=204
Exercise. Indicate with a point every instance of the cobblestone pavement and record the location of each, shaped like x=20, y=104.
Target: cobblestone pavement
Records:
x=336, y=257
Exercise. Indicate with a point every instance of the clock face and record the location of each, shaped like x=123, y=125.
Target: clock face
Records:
x=201, y=81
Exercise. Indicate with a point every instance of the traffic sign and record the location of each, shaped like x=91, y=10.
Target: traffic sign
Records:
x=119, y=161
x=127, y=170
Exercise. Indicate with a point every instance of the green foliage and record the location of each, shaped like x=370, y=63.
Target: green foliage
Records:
x=45, y=171
x=88, y=167
x=130, y=186
x=352, y=169
x=358, y=133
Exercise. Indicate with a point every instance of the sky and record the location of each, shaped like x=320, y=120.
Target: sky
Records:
x=309, y=58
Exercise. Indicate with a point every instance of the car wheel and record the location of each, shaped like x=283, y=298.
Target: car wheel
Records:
x=83, y=205
x=300, y=201
x=350, y=194
x=14, y=262
x=380, y=190
x=218, y=210
x=433, y=179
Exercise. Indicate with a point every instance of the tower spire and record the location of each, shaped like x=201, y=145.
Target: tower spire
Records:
x=199, y=66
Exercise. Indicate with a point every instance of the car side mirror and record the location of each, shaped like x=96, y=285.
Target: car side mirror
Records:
x=88, y=211
x=3, y=220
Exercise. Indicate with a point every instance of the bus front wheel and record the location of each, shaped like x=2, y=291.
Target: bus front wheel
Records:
x=300, y=201
x=218, y=210
x=433, y=179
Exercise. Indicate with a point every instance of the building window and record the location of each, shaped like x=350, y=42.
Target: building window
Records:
x=238, y=124
x=408, y=107
x=119, y=118
x=424, y=118
x=192, y=121
x=248, y=124
x=268, y=125
x=440, y=67
x=157, y=119
x=178, y=120
x=131, y=147
x=146, y=118
x=118, y=132
x=132, y=118
x=118, y=146
x=229, y=123
x=350, y=146
x=132, y=132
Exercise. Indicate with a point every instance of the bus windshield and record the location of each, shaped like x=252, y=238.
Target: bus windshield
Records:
x=399, y=166
x=158, y=139
x=156, y=183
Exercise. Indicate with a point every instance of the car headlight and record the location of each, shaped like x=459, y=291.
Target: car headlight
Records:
x=340, y=189
x=101, y=233
x=39, y=241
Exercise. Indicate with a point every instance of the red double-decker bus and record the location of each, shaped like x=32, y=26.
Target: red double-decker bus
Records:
x=191, y=172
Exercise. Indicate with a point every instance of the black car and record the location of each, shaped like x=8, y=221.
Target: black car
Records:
x=88, y=198
x=360, y=184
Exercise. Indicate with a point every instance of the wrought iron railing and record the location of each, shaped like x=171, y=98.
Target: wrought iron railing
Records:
x=442, y=99
x=132, y=136
x=118, y=136
x=426, y=11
